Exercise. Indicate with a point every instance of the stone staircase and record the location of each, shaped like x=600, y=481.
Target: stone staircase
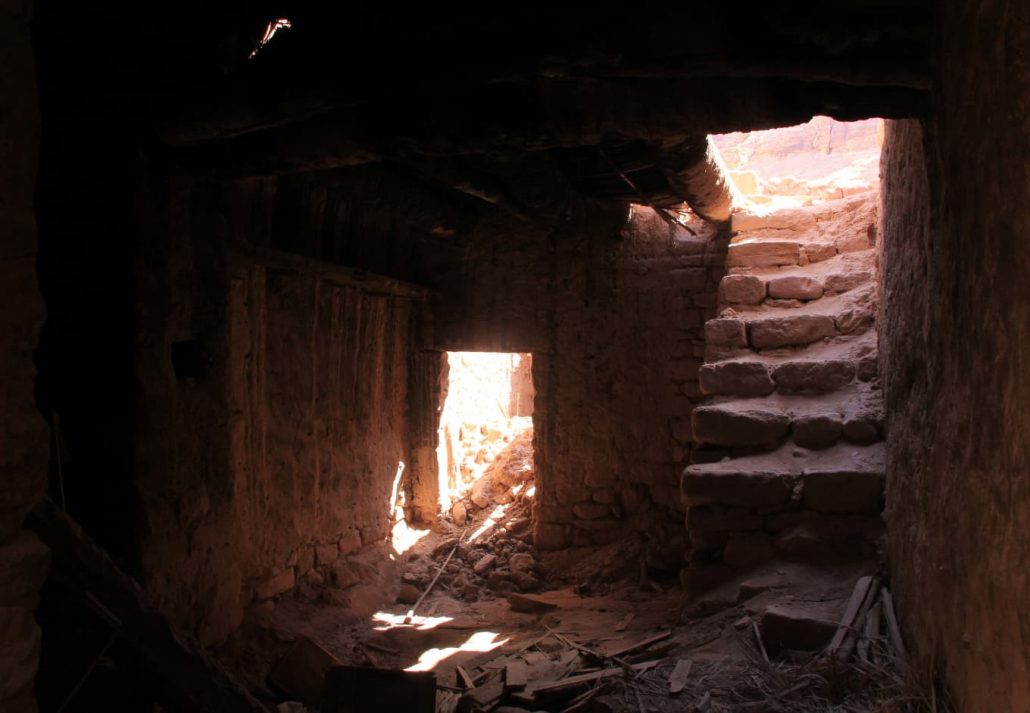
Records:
x=790, y=463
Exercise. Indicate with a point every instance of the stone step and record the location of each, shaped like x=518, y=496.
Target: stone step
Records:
x=843, y=479
x=755, y=377
x=852, y=414
x=797, y=285
x=766, y=327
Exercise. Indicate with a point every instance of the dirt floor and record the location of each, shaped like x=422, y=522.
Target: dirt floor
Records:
x=500, y=611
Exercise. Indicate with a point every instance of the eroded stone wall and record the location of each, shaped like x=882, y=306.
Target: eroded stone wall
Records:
x=23, y=438
x=955, y=348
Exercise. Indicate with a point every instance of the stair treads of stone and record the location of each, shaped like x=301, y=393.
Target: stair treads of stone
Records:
x=852, y=413
x=844, y=479
x=841, y=273
x=759, y=376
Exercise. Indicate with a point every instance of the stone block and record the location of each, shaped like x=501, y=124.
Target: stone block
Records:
x=817, y=431
x=795, y=287
x=765, y=253
x=275, y=585
x=795, y=628
x=862, y=429
x=739, y=378
x=741, y=289
x=790, y=330
x=305, y=559
x=749, y=490
x=591, y=511
x=814, y=376
x=349, y=571
x=838, y=282
x=716, y=518
x=350, y=542
x=794, y=219
x=843, y=491
x=731, y=425
x=326, y=554
x=818, y=252
x=725, y=333
x=550, y=536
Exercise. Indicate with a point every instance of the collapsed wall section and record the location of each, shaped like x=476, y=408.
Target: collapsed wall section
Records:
x=955, y=348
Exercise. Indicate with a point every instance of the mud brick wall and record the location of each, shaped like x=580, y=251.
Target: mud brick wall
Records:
x=23, y=437
x=955, y=348
x=613, y=313
x=273, y=420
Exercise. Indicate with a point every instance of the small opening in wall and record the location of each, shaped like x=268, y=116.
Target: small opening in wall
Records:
x=485, y=451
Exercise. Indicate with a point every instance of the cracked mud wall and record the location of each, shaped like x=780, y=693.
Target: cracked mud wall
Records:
x=955, y=350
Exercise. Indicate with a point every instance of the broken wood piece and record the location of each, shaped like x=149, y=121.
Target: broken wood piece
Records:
x=516, y=675
x=428, y=589
x=379, y=647
x=854, y=633
x=898, y=645
x=487, y=695
x=529, y=605
x=758, y=640
x=354, y=689
x=847, y=622
x=585, y=678
x=462, y=678
x=642, y=644
x=535, y=657
x=679, y=676
x=184, y=676
x=871, y=632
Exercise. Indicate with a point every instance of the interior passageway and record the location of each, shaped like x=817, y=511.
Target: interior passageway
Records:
x=610, y=359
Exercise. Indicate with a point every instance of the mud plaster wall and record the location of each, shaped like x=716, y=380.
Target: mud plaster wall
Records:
x=956, y=360
x=283, y=425
x=23, y=438
x=614, y=317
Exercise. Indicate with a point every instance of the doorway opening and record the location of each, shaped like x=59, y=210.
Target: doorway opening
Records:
x=485, y=447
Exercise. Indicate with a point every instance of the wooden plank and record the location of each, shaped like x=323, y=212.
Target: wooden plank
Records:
x=488, y=694
x=516, y=675
x=854, y=632
x=642, y=644
x=574, y=681
x=679, y=676
x=184, y=676
x=871, y=632
x=898, y=644
x=858, y=595
x=463, y=679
